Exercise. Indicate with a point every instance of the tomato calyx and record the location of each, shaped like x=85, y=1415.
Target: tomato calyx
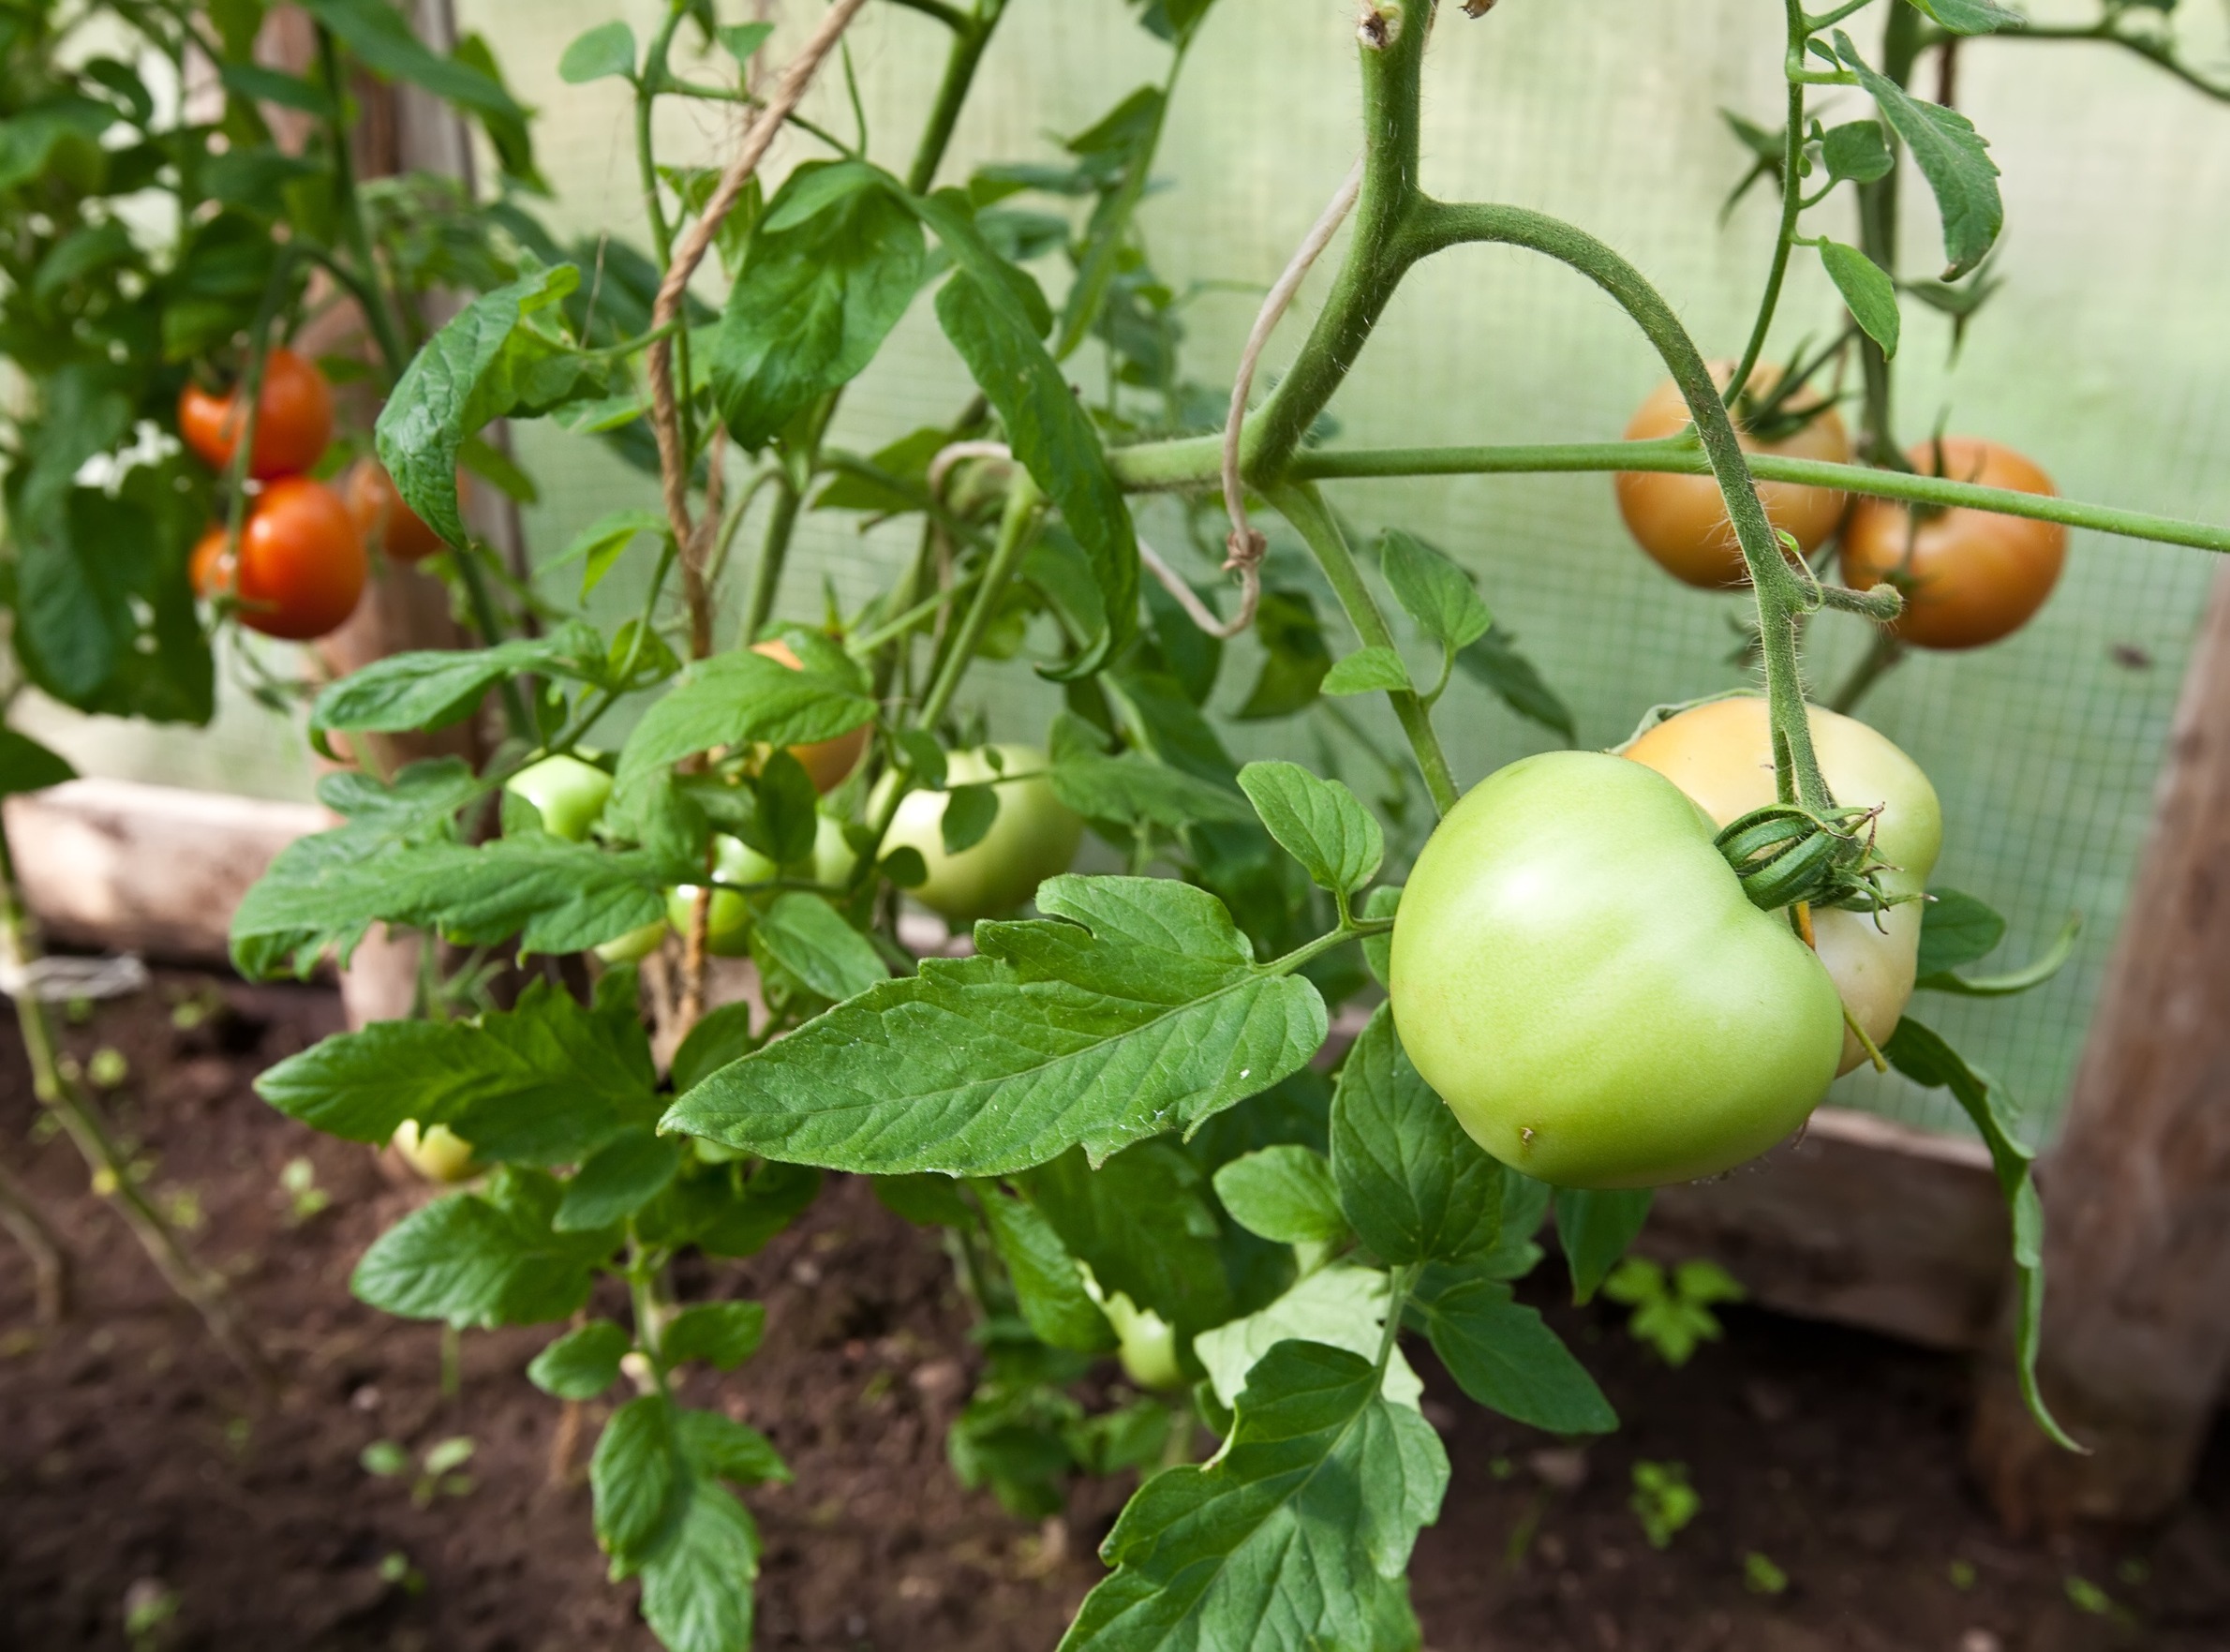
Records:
x=1787, y=854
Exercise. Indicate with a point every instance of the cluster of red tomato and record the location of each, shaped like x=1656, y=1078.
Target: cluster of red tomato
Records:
x=1969, y=577
x=301, y=565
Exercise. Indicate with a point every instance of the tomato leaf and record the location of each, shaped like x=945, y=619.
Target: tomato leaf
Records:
x=478, y=1260
x=546, y=1083
x=1284, y=1193
x=1923, y=1057
x=1047, y=1287
x=609, y=49
x=582, y=1363
x=723, y=1334
x=1295, y=657
x=1952, y=156
x=1494, y=660
x=2032, y=975
x=970, y=813
x=617, y=1180
x=325, y=891
x=820, y=292
x=1503, y=1355
x=455, y=386
x=809, y=939
x=992, y=313
x=1367, y=671
x=637, y=1477
x=1415, y=1187
x=381, y=39
x=602, y=543
x=1134, y=789
x=433, y=687
x=1968, y=17
x=25, y=765
x=1145, y=1223
x=1871, y=295
x=737, y=699
x=1340, y=1307
x=1433, y=591
x=1596, y=1229
x=1857, y=151
x=1320, y=823
x=1144, y=1012
x=697, y=1586
x=1296, y=1536
x=1955, y=929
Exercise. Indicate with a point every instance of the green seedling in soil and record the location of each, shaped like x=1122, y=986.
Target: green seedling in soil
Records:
x=396, y=1570
x=107, y=1067
x=437, y=1475
x=1761, y=1576
x=1672, y=1314
x=150, y=1613
x=298, y=1181
x=1663, y=1501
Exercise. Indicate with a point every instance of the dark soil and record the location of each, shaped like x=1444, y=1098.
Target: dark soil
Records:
x=135, y=1474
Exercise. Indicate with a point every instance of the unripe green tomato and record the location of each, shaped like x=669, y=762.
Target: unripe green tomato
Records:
x=833, y=857
x=568, y=793
x=1577, y=971
x=436, y=1152
x=635, y=946
x=1146, y=1344
x=1722, y=756
x=1034, y=837
x=728, y=920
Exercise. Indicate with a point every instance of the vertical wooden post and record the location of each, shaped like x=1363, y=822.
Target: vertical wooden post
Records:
x=2136, y=1190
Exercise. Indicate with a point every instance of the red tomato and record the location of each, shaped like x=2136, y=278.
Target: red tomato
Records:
x=382, y=517
x=1681, y=521
x=302, y=565
x=293, y=418
x=826, y=762
x=1969, y=577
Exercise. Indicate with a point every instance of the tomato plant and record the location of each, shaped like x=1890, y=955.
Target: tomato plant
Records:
x=1101, y=1086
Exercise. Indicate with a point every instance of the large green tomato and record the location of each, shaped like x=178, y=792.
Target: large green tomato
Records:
x=1034, y=837
x=1722, y=756
x=568, y=793
x=728, y=917
x=1578, y=972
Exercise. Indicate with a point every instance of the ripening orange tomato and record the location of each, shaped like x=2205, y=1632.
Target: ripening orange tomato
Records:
x=302, y=565
x=293, y=418
x=1969, y=577
x=826, y=762
x=382, y=517
x=1681, y=521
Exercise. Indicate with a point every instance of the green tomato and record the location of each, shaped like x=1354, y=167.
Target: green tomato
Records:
x=635, y=946
x=1722, y=756
x=728, y=920
x=833, y=857
x=1034, y=838
x=436, y=1152
x=569, y=794
x=1576, y=969
x=1146, y=1343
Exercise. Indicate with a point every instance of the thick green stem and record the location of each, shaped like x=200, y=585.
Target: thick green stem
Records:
x=1792, y=205
x=1018, y=528
x=1300, y=505
x=1377, y=257
x=662, y=232
x=1782, y=596
x=766, y=578
x=972, y=33
x=371, y=298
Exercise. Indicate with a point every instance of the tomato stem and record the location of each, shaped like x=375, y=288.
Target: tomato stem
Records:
x=1793, y=204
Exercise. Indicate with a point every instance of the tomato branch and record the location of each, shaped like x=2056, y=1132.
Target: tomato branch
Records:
x=1793, y=204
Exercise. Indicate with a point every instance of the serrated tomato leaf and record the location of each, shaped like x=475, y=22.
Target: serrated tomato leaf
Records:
x=1144, y=1012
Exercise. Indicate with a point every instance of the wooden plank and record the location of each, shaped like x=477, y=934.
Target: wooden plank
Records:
x=153, y=870
x=2136, y=1190
x=1862, y=1221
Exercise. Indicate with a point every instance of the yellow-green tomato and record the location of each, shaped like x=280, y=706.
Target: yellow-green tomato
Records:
x=728, y=920
x=833, y=857
x=568, y=793
x=1146, y=1344
x=436, y=1152
x=1577, y=971
x=1722, y=756
x=1034, y=837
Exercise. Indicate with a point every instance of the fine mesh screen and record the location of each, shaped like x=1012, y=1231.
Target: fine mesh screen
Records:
x=2106, y=358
